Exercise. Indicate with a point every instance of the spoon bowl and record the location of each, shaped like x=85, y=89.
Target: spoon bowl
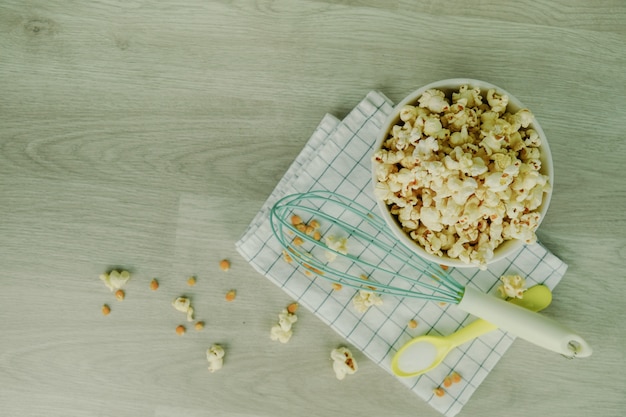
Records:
x=425, y=353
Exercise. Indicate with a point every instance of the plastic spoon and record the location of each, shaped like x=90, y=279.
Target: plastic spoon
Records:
x=424, y=353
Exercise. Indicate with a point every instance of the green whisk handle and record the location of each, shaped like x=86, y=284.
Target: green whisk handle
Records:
x=530, y=326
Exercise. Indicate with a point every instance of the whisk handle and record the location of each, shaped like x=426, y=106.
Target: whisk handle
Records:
x=531, y=326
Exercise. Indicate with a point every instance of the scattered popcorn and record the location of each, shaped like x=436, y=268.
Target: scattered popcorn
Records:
x=453, y=378
x=287, y=257
x=282, y=331
x=224, y=265
x=339, y=244
x=439, y=392
x=106, y=310
x=513, y=286
x=115, y=280
x=183, y=304
x=215, y=356
x=312, y=269
x=461, y=174
x=343, y=362
x=363, y=300
x=292, y=308
x=120, y=295
x=456, y=378
x=180, y=330
x=337, y=286
x=231, y=295
x=154, y=284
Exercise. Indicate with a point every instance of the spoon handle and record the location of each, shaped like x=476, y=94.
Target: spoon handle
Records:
x=535, y=328
x=480, y=327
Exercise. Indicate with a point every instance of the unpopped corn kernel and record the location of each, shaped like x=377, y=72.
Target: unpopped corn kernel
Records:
x=456, y=378
x=199, y=325
x=154, y=284
x=412, y=324
x=191, y=281
x=439, y=392
x=180, y=330
x=106, y=310
x=120, y=295
x=224, y=265
x=292, y=308
x=231, y=295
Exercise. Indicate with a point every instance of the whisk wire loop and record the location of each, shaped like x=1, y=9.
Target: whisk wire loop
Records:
x=448, y=289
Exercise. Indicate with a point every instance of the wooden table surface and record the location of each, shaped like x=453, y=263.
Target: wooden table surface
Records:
x=146, y=135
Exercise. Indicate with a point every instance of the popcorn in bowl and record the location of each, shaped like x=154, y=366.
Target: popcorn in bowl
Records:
x=462, y=173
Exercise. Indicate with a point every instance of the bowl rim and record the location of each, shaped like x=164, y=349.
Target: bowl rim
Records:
x=506, y=248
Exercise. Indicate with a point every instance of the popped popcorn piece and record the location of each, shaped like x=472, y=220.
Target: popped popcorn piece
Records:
x=343, y=362
x=462, y=176
x=497, y=101
x=282, y=331
x=339, y=244
x=513, y=286
x=215, y=357
x=183, y=304
x=364, y=299
x=115, y=279
x=434, y=100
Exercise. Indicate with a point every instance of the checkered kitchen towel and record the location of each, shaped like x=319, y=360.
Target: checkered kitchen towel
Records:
x=337, y=158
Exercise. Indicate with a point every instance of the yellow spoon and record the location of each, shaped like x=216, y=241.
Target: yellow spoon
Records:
x=424, y=353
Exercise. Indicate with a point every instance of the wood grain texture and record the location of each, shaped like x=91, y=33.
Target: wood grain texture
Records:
x=146, y=135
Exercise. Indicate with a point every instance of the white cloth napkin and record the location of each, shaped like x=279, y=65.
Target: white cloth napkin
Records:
x=337, y=158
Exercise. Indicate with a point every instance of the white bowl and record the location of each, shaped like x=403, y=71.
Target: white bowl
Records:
x=508, y=247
